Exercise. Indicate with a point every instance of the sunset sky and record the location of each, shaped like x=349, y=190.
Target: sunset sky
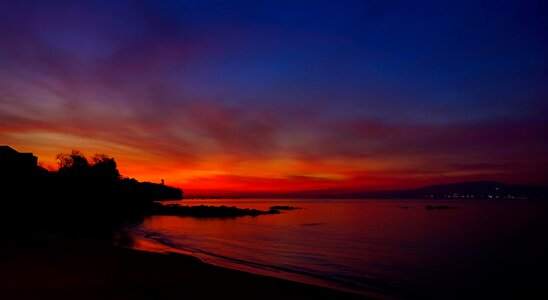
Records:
x=272, y=96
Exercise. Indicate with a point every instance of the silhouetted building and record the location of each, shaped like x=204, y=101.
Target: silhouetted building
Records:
x=11, y=160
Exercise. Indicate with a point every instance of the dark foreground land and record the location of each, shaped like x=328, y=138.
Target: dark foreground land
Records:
x=53, y=268
x=57, y=230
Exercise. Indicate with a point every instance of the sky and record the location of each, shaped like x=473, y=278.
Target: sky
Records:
x=222, y=97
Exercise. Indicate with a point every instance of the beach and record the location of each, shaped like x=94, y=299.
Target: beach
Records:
x=384, y=248
x=70, y=268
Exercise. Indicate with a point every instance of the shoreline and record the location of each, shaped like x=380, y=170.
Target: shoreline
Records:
x=153, y=245
x=63, y=268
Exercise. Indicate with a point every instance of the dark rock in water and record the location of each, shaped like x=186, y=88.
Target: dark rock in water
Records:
x=207, y=211
x=429, y=207
x=284, y=207
x=312, y=224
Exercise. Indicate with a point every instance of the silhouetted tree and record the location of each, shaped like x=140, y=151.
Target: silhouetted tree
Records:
x=74, y=161
x=63, y=160
x=104, y=166
x=99, y=158
x=85, y=196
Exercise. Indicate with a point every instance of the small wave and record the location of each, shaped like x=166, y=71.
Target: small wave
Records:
x=312, y=224
x=348, y=283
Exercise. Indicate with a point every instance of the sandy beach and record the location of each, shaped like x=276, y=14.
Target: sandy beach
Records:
x=53, y=268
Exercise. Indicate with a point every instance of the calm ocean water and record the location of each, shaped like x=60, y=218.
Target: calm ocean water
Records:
x=385, y=248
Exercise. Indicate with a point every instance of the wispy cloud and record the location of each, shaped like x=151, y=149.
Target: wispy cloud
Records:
x=276, y=97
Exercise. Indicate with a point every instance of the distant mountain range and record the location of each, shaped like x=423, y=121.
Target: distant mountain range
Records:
x=459, y=190
x=464, y=190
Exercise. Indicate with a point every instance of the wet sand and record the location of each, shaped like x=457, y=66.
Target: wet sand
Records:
x=53, y=268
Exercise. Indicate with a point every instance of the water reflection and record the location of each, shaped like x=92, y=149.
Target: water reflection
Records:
x=388, y=246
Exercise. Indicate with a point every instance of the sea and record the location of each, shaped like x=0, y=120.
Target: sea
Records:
x=381, y=248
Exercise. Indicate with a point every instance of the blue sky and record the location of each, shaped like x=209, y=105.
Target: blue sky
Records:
x=231, y=84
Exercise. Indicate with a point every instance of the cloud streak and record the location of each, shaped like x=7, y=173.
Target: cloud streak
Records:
x=256, y=98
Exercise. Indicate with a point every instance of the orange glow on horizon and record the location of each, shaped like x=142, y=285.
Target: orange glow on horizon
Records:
x=221, y=175
x=214, y=172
